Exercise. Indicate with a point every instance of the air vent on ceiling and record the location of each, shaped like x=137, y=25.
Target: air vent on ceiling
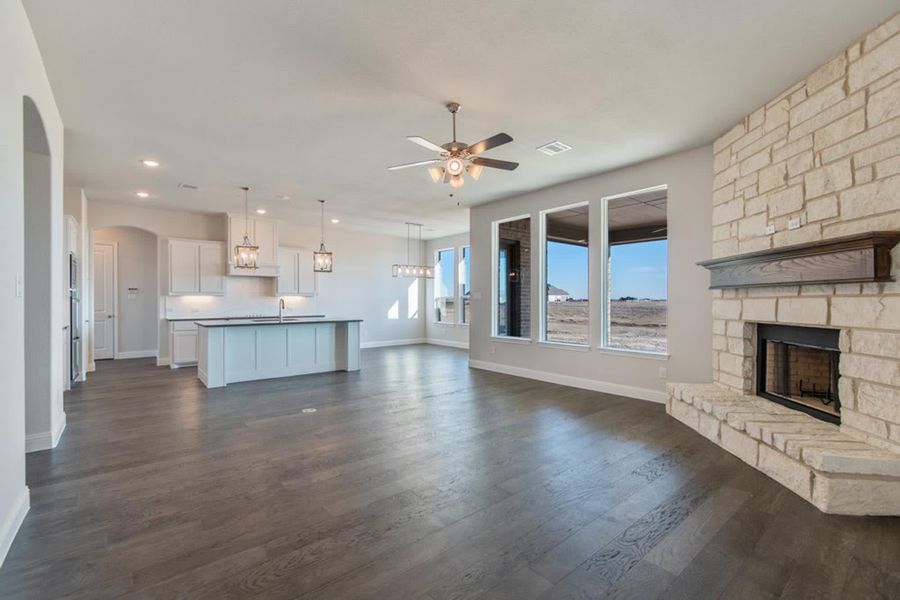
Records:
x=553, y=148
x=187, y=186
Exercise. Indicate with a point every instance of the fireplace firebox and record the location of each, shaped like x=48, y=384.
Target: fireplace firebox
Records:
x=798, y=367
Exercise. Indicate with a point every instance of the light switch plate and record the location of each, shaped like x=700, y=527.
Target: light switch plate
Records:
x=794, y=223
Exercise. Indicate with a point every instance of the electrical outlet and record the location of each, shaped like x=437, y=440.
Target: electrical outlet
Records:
x=770, y=229
x=663, y=372
x=794, y=223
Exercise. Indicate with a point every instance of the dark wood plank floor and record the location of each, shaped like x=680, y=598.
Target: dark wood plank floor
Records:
x=414, y=478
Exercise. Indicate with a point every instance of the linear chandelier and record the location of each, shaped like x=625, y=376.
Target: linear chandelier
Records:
x=409, y=269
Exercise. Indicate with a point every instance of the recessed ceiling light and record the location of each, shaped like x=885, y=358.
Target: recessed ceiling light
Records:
x=335, y=221
x=260, y=211
x=142, y=194
x=149, y=162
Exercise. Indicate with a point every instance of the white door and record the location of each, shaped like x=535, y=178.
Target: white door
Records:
x=104, y=301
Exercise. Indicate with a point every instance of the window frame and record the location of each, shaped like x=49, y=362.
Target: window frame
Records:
x=459, y=293
x=542, y=283
x=436, y=286
x=603, y=344
x=495, y=278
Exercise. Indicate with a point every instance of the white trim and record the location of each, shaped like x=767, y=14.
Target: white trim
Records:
x=628, y=353
x=386, y=343
x=46, y=440
x=508, y=339
x=448, y=343
x=564, y=346
x=136, y=354
x=162, y=362
x=13, y=520
x=495, y=265
x=579, y=382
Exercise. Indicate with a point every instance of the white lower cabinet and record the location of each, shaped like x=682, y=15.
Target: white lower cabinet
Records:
x=183, y=340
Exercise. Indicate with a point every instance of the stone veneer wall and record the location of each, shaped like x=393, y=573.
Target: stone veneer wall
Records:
x=826, y=152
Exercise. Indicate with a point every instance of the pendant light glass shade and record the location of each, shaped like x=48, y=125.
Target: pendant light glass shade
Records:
x=246, y=254
x=409, y=269
x=323, y=260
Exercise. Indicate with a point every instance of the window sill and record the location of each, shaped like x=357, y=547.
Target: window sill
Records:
x=565, y=346
x=634, y=353
x=510, y=340
x=447, y=324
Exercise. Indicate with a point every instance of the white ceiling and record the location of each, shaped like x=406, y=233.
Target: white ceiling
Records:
x=314, y=99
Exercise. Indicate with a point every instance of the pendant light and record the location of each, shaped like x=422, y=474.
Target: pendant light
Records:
x=323, y=260
x=246, y=253
x=409, y=269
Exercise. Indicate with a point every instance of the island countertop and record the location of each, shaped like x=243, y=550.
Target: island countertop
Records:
x=272, y=321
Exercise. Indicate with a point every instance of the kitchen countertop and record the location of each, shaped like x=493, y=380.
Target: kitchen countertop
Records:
x=272, y=321
x=242, y=318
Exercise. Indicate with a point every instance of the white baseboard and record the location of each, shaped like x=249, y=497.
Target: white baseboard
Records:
x=618, y=389
x=45, y=440
x=92, y=366
x=136, y=354
x=162, y=362
x=385, y=343
x=12, y=520
x=448, y=343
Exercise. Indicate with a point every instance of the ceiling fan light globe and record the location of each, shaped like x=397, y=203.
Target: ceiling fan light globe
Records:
x=436, y=173
x=456, y=181
x=454, y=166
x=474, y=171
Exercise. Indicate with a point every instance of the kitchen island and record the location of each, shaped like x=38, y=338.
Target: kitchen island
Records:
x=235, y=350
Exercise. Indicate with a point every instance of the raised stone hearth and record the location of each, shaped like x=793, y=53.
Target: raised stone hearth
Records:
x=835, y=471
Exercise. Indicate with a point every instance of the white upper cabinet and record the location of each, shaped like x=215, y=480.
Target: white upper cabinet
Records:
x=263, y=233
x=196, y=267
x=295, y=272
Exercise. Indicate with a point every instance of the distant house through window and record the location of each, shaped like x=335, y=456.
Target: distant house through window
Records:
x=444, y=290
x=636, y=278
x=566, y=308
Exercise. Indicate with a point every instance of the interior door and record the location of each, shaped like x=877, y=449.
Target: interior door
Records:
x=104, y=301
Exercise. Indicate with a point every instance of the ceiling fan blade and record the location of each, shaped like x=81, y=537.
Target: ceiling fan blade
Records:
x=493, y=163
x=415, y=164
x=425, y=143
x=491, y=142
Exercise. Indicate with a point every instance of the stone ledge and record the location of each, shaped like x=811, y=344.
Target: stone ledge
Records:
x=833, y=470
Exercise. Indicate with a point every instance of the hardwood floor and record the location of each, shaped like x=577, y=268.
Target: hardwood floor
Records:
x=414, y=478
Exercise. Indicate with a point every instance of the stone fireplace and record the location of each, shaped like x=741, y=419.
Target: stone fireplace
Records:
x=806, y=215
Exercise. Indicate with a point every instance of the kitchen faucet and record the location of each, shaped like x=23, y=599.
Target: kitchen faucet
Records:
x=281, y=310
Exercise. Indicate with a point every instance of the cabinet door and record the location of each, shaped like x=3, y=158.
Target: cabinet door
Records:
x=266, y=232
x=212, y=268
x=184, y=347
x=306, y=277
x=184, y=268
x=288, y=275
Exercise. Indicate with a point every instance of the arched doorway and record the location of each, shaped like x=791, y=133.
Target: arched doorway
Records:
x=44, y=415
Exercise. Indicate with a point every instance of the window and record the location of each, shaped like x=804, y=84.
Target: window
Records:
x=464, y=290
x=512, y=272
x=636, y=280
x=566, y=313
x=444, y=290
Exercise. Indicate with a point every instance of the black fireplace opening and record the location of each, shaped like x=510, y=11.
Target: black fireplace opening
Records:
x=799, y=367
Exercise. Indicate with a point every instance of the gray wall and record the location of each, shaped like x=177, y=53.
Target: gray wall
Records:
x=689, y=179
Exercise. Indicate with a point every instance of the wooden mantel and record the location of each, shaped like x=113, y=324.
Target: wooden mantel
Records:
x=856, y=258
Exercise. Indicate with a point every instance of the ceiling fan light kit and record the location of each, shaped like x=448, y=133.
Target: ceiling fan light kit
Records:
x=457, y=158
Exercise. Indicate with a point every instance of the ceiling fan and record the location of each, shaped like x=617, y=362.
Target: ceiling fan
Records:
x=458, y=157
